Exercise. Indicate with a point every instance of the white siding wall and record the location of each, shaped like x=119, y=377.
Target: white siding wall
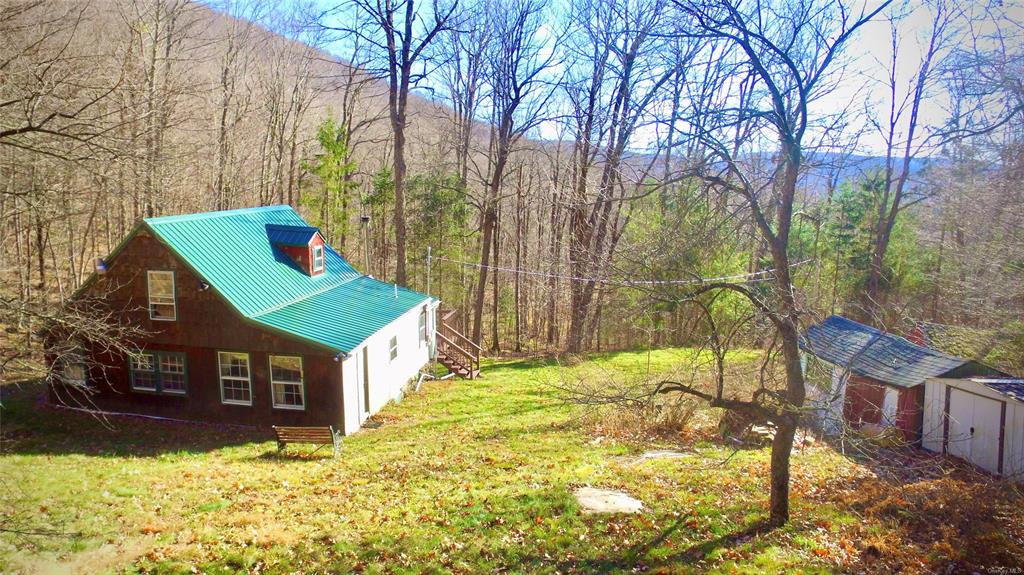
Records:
x=934, y=408
x=388, y=377
x=890, y=405
x=825, y=398
x=350, y=395
x=1014, y=460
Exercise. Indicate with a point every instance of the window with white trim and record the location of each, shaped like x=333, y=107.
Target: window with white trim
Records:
x=159, y=372
x=235, y=382
x=393, y=347
x=162, y=304
x=286, y=385
x=318, y=259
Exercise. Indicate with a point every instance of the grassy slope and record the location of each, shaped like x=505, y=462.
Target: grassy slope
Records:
x=463, y=476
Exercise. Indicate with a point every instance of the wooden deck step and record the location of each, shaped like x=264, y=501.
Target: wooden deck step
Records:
x=456, y=367
x=457, y=352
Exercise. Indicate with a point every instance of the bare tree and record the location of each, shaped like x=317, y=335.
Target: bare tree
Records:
x=234, y=103
x=80, y=335
x=984, y=74
x=905, y=136
x=50, y=98
x=791, y=54
x=515, y=65
x=617, y=56
x=156, y=46
x=400, y=33
x=462, y=57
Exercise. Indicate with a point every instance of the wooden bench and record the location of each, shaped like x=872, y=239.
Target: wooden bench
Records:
x=312, y=435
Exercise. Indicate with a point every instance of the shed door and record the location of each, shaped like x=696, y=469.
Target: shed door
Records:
x=974, y=429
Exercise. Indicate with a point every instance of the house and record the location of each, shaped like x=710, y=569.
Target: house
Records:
x=979, y=420
x=252, y=318
x=874, y=378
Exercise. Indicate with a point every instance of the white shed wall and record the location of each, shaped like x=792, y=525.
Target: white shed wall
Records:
x=825, y=398
x=1014, y=461
x=388, y=378
x=890, y=406
x=934, y=410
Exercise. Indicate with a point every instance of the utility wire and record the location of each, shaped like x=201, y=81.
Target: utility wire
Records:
x=747, y=277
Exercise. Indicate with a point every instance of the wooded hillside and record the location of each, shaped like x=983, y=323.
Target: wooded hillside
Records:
x=574, y=168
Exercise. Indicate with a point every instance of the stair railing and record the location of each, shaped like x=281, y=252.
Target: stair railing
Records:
x=466, y=351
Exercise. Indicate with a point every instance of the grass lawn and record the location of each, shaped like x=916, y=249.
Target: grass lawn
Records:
x=464, y=476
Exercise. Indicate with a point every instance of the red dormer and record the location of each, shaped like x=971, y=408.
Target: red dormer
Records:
x=303, y=244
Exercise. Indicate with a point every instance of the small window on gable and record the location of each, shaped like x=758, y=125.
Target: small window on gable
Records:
x=318, y=259
x=393, y=347
x=162, y=305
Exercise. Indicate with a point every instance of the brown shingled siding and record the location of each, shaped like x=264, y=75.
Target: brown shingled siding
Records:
x=205, y=325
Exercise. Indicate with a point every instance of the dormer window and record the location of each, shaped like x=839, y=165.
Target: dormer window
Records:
x=318, y=259
x=302, y=244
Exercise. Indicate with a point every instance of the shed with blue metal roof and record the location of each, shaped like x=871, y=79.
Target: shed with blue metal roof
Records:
x=875, y=378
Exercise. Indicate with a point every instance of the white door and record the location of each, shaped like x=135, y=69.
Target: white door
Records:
x=362, y=393
x=961, y=419
x=974, y=423
x=985, y=443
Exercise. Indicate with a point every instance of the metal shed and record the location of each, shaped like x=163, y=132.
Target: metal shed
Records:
x=877, y=378
x=979, y=420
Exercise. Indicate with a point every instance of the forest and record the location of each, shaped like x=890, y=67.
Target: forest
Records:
x=581, y=174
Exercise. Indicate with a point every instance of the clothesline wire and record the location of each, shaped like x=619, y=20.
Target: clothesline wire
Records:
x=749, y=277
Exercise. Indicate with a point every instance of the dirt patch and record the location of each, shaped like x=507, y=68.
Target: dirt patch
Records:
x=594, y=500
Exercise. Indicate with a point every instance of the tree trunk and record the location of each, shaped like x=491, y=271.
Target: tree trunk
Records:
x=519, y=265
x=485, y=262
x=495, y=343
x=782, y=447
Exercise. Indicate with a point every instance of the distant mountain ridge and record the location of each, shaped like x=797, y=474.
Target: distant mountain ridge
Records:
x=824, y=167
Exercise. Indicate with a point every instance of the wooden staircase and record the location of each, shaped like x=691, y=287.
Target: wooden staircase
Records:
x=455, y=351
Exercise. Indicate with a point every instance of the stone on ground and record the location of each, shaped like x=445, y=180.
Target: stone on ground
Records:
x=661, y=454
x=594, y=500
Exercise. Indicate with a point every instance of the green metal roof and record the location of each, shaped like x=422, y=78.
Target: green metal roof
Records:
x=344, y=316
x=234, y=252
